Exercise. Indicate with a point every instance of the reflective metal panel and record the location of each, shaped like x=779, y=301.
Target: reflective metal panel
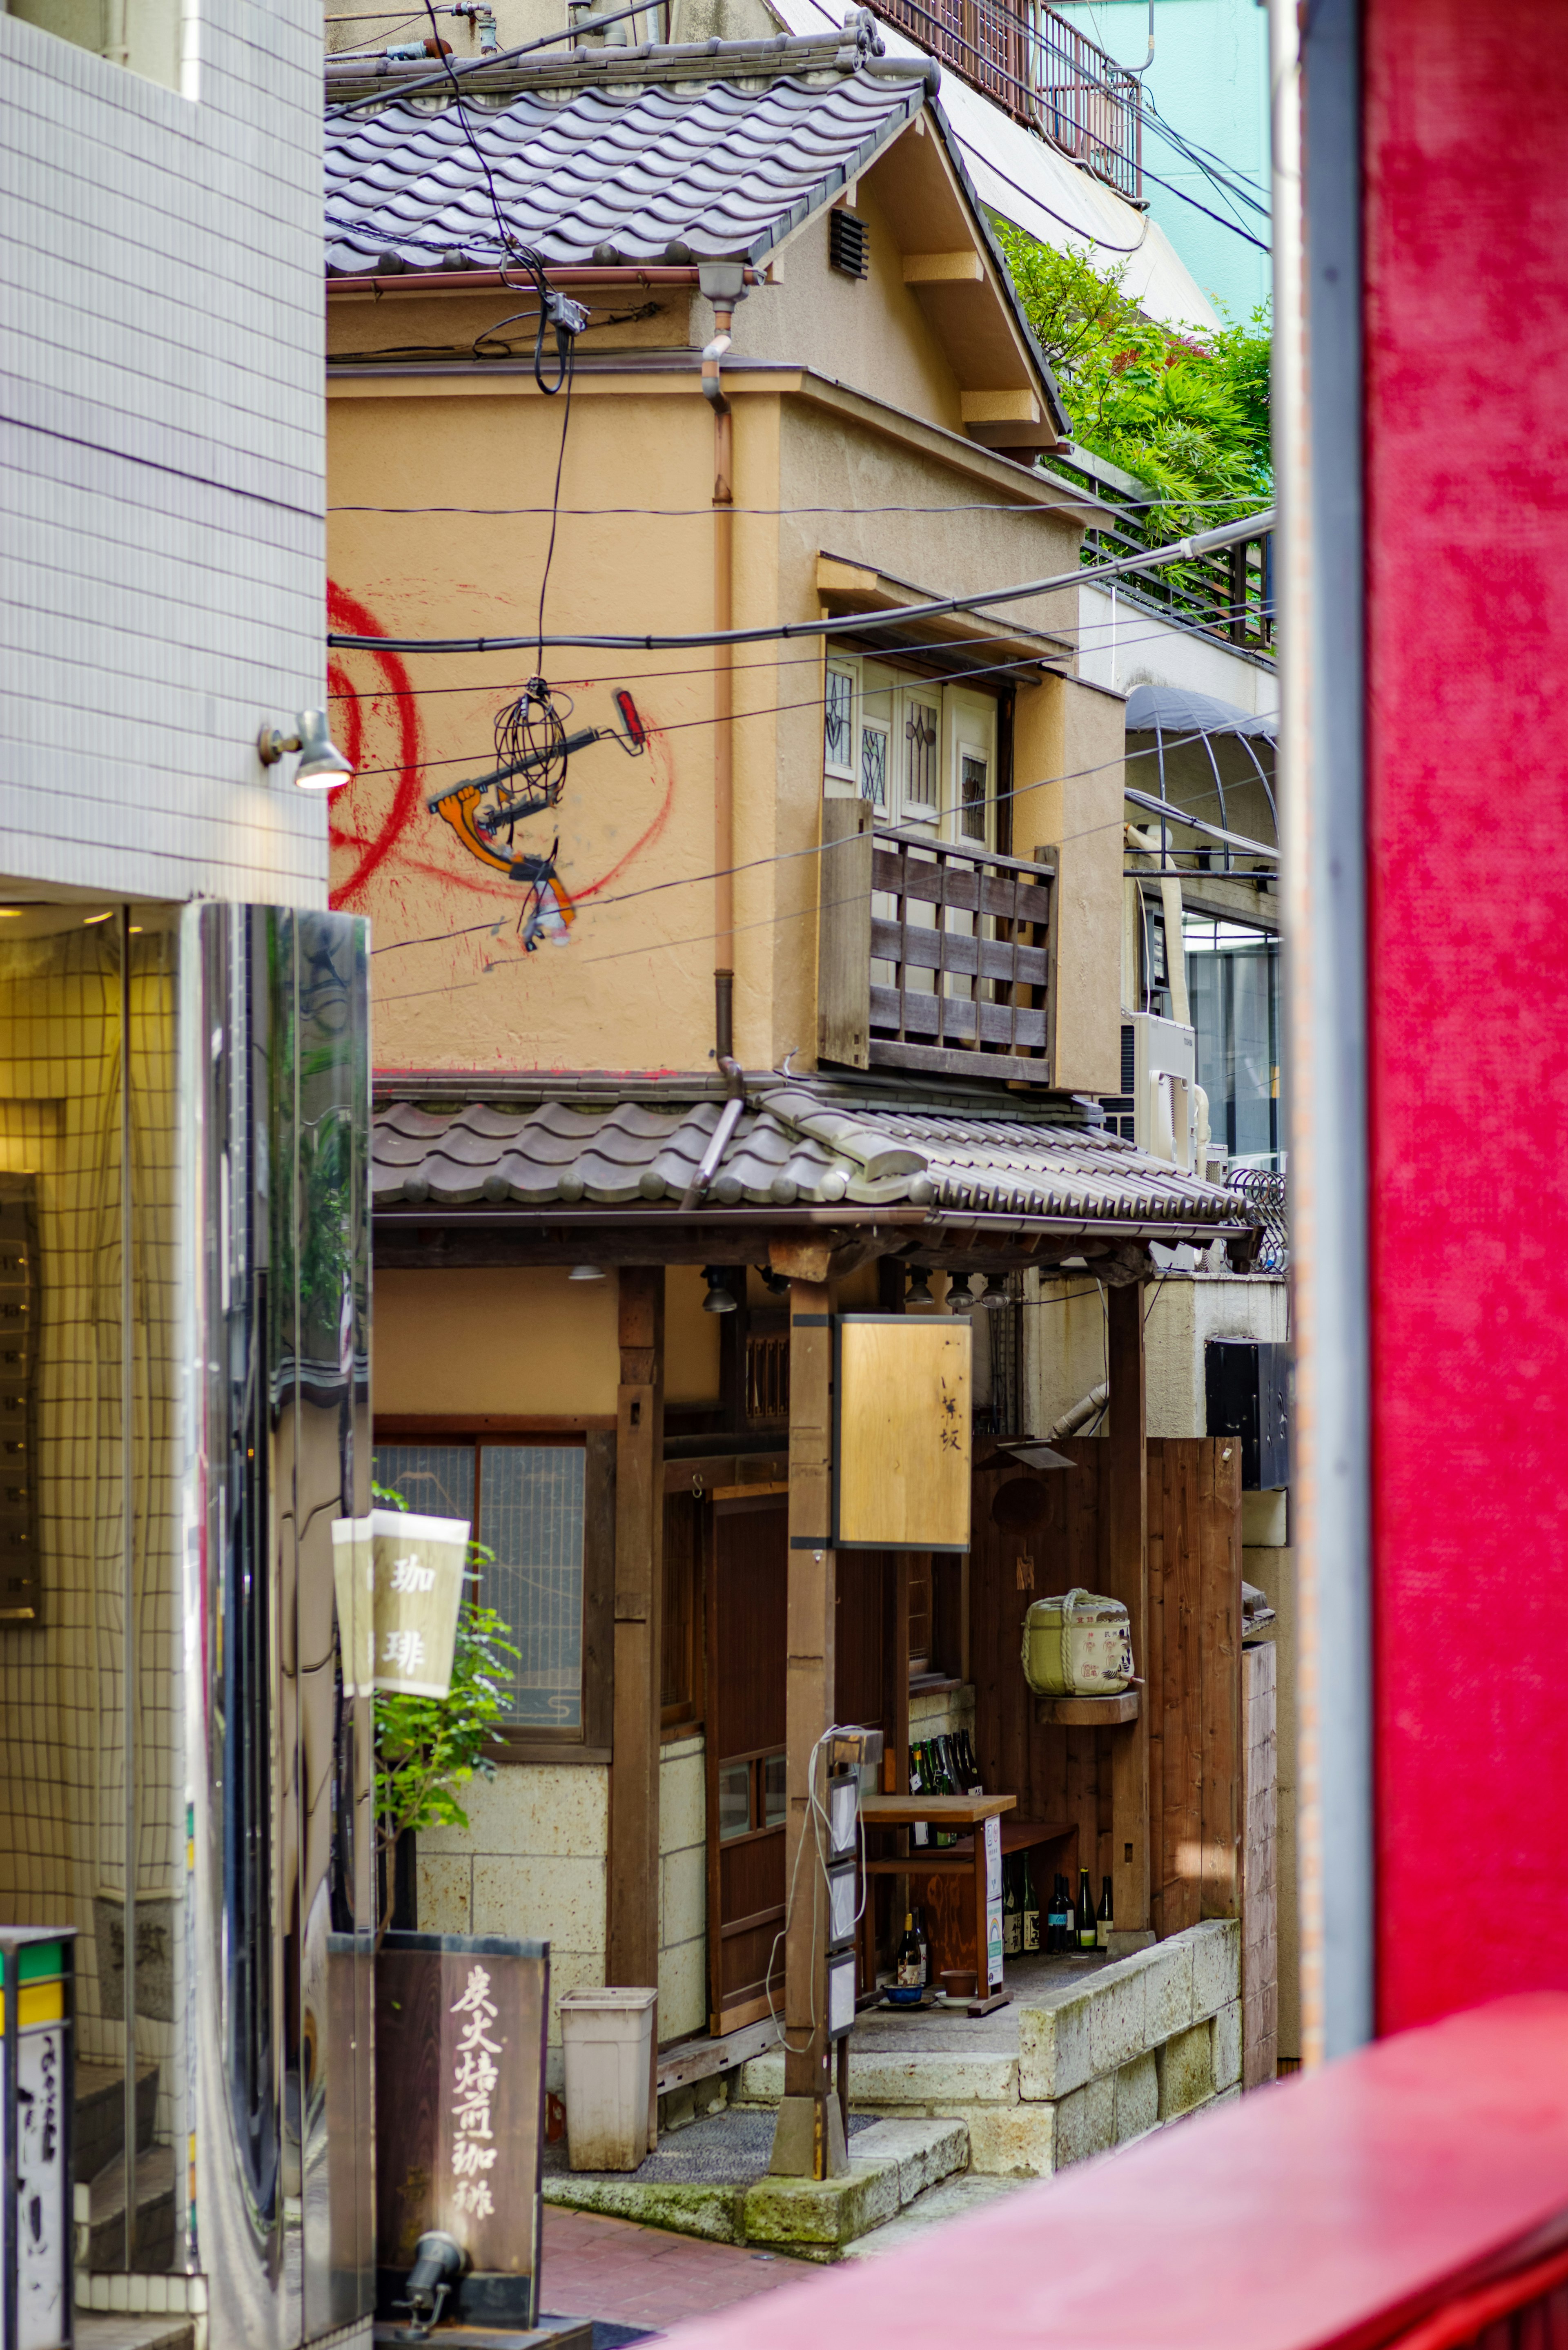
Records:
x=275, y=1080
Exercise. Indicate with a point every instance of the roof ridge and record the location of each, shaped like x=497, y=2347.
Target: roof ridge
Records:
x=854, y=49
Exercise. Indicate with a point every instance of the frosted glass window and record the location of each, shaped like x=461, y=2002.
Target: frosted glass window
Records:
x=435, y=1481
x=531, y=1516
x=529, y=1502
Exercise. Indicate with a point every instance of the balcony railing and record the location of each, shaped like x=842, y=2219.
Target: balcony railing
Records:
x=1229, y=594
x=1041, y=70
x=932, y=955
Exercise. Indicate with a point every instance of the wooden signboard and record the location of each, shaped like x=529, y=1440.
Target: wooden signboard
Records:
x=460, y=2103
x=902, y=1414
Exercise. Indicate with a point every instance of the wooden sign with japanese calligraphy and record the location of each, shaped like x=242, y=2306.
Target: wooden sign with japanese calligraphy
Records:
x=903, y=1417
x=459, y=2103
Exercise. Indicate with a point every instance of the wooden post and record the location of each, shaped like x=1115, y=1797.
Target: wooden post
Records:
x=1128, y=1581
x=809, y=2141
x=632, y=1938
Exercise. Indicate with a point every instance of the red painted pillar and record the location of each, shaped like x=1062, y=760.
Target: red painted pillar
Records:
x=1466, y=383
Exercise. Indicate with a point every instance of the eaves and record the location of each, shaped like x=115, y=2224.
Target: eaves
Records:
x=617, y=374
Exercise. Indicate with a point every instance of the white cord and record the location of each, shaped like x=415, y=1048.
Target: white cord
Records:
x=818, y=1818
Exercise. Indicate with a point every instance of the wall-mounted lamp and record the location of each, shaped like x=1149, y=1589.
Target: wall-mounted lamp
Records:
x=322, y=766
x=586, y=1273
x=994, y=1293
x=918, y=1293
x=720, y=1298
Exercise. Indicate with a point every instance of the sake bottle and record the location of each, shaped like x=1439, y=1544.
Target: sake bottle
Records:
x=1031, y=1910
x=1087, y=1931
x=917, y=1786
x=1012, y=1912
x=905, y=1985
x=1106, y=1919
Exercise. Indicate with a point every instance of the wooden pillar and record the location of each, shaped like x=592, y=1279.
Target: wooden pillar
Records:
x=632, y=1940
x=1128, y=1582
x=808, y=2142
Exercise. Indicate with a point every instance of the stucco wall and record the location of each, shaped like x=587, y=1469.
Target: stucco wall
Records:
x=527, y=1340
x=162, y=458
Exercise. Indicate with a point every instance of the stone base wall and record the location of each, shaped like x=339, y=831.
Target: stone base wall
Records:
x=1134, y=2048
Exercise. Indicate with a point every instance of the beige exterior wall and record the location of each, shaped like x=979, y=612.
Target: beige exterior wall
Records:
x=1076, y=737
x=527, y=1341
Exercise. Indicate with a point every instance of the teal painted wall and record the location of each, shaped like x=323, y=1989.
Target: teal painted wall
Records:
x=1209, y=79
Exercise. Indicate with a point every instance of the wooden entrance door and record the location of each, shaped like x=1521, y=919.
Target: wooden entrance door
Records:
x=747, y=1634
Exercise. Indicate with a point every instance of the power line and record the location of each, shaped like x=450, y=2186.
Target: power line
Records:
x=1084, y=575
x=681, y=725
x=675, y=514
x=819, y=849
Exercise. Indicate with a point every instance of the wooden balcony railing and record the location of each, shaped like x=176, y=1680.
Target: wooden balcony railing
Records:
x=932, y=955
x=1041, y=70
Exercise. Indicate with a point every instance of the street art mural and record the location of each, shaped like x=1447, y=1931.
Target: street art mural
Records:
x=483, y=820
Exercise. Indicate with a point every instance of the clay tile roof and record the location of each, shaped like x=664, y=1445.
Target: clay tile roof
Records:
x=724, y=168
x=795, y=1145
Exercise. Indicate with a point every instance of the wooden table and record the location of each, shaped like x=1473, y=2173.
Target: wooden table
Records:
x=964, y=1812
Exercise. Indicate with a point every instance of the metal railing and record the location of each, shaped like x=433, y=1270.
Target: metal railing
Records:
x=1264, y=1190
x=1043, y=72
x=1229, y=594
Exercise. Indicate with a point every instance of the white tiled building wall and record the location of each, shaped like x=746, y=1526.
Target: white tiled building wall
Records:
x=161, y=451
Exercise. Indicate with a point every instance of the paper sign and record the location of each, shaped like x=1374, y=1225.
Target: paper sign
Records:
x=418, y=1570
x=354, y=1579
x=993, y=1903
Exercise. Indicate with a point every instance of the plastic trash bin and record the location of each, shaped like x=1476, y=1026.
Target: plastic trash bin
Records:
x=607, y=2039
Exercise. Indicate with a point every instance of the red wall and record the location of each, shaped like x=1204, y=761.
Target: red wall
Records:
x=1466, y=120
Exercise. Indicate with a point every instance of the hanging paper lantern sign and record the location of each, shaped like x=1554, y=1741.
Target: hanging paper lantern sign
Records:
x=354, y=1580
x=419, y=1569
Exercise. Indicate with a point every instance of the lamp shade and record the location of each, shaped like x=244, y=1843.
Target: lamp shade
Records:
x=322, y=766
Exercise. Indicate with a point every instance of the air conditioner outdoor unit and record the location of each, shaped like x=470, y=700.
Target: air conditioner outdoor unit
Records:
x=1161, y=1106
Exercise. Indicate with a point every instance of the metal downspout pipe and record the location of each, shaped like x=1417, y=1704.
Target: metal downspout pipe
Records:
x=723, y=283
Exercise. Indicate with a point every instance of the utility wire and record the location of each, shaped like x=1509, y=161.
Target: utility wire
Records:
x=819, y=849
x=1081, y=629
x=477, y=64
x=681, y=725
x=1084, y=575
x=675, y=514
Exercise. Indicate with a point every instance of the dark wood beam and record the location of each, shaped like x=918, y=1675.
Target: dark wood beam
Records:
x=632, y=1925
x=1128, y=1496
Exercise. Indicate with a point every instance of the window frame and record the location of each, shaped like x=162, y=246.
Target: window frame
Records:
x=590, y=1741
x=846, y=772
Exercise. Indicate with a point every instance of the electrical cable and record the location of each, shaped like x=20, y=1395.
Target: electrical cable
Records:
x=676, y=513
x=818, y=1820
x=1081, y=629
x=992, y=669
x=793, y=856
x=477, y=64
x=1188, y=549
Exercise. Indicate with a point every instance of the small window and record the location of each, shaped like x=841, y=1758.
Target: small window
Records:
x=921, y=728
x=734, y=1800
x=874, y=763
x=838, y=722
x=974, y=789
x=526, y=1504
x=773, y=1802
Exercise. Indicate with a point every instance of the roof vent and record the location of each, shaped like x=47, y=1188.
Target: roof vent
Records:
x=848, y=247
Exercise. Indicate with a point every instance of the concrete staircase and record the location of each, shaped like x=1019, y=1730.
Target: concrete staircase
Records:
x=99, y=2164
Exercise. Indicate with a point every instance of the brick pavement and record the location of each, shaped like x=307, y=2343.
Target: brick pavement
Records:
x=618, y=2271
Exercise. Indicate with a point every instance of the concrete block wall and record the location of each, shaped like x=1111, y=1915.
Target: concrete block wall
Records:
x=1135, y=2047
x=532, y=1864
x=161, y=450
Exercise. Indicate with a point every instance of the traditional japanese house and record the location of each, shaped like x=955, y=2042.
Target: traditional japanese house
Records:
x=786, y=983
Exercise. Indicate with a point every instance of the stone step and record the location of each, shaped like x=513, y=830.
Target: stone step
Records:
x=950, y=2199
x=98, y=2127
x=890, y=2166
x=891, y=2163
x=154, y=2212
